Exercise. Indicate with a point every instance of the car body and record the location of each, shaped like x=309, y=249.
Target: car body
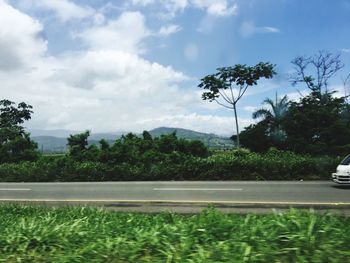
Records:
x=342, y=175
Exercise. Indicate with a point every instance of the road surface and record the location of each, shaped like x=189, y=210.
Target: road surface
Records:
x=228, y=194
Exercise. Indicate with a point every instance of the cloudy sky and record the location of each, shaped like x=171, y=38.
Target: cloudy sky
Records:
x=133, y=65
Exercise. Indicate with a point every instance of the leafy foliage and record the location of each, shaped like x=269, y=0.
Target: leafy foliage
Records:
x=37, y=234
x=131, y=165
x=316, y=125
x=15, y=143
x=133, y=149
x=221, y=86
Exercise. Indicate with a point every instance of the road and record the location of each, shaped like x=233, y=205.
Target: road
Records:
x=234, y=194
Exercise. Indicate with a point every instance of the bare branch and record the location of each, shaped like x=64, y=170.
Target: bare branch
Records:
x=218, y=102
x=232, y=96
x=346, y=87
x=225, y=97
x=244, y=90
x=324, y=64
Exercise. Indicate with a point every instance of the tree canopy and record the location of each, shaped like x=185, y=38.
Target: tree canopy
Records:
x=228, y=85
x=15, y=143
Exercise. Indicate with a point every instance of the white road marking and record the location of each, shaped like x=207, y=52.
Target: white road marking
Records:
x=15, y=189
x=197, y=189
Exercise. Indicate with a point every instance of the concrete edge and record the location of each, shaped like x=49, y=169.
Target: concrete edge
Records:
x=179, y=203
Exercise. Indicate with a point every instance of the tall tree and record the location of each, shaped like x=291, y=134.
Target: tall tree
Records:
x=15, y=143
x=228, y=85
x=316, y=71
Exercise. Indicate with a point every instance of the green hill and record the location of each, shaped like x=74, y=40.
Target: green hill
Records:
x=211, y=140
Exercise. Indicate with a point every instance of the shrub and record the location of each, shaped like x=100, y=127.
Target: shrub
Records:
x=229, y=165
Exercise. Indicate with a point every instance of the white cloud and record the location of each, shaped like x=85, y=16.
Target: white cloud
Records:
x=65, y=10
x=268, y=29
x=99, y=19
x=99, y=90
x=169, y=30
x=142, y=2
x=172, y=7
x=20, y=39
x=248, y=29
x=297, y=95
x=216, y=7
x=345, y=50
x=191, y=52
x=250, y=109
x=116, y=34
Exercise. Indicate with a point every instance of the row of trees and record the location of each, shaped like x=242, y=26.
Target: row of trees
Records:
x=133, y=149
x=319, y=123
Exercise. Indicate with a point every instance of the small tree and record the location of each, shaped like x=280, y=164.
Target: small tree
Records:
x=78, y=143
x=229, y=84
x=15, y=143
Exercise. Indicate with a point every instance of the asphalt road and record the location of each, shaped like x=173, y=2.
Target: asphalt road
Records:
x=185, y=194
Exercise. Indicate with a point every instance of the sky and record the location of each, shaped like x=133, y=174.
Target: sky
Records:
x=134, y=65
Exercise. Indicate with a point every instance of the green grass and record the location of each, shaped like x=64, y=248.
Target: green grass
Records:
x=37, y=234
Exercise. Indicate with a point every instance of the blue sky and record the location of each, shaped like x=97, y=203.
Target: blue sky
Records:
x=135, y=64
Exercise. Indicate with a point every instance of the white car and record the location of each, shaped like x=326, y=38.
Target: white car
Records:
x=342, y=175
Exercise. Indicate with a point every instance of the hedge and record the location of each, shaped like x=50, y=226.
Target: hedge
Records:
x=232, y=165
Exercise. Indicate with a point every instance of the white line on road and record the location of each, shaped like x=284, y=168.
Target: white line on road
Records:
x=15, y=189
x=197, y=189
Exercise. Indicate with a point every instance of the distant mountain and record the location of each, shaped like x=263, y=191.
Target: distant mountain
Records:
x=209, y=139
x=55, y=141
x=51, y=144
x=55, y=133
x=106, y=136
x=65, y=134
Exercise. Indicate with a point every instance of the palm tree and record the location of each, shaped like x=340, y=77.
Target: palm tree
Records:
x=277, y=111
x=273, y=116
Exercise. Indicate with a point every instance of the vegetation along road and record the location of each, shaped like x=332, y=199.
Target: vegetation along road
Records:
x=320, y=194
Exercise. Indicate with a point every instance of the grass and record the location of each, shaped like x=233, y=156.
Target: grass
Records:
x=38, y=234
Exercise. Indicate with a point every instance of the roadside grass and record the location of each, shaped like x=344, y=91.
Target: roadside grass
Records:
x=39, y=234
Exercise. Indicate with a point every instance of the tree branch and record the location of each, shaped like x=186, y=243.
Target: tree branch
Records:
x=225, y=97
x=218, y=102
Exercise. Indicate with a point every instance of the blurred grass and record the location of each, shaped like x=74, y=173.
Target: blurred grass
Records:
x=38, y=234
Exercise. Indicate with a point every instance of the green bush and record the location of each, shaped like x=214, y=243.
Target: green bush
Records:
x=229, y=165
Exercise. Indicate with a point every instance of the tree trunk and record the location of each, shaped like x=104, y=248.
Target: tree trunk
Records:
x=237, y=129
